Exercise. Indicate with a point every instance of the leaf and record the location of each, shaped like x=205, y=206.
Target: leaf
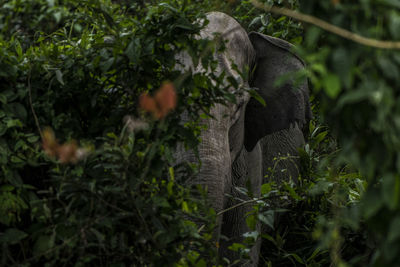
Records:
x=166, y=5
x=18, y=49
x=296, y=257
x=256, y=20
x=100, y=237
x=105, y=66
x=266, y=188
x=292, y=192
x=57, y=16
x=236, y=247
x=59, y=77
x=7, y=188
x=253, y=236
x=394, y=230
x=33, y=139
x=253, y=93
x=19, y=111
x=185, y=207
x=251, y=221
x=3, y=129
x=315, y=253
x=388, y=68
x=331, y=85
x=12, y=236
x=14, y=123
x=372, y=203
x=3, y=98
x=342, y=63
x=43, y=244
x=319, y=138
x=312, y=36
x=133, y=51
x=267, y=218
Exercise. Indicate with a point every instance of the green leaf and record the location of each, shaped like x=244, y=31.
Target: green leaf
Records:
x=388, y=68
x=292, y=192
x=331, y=85
x=14, y=123
x=100, y=237
x=296, y=257
x=19, y=111
x=394, y=23
x=185, y=207
x=3, y=129
x=267, y=218
x=59, y=76
x=266, y=188
x=12, y=236
x=18, y=49
x=43, y=244
x=33, y=139
x=372, y=203
x=133, y=51
x=251, y=221
x=253, y=236
x=253, y=93
x=394, y=230
x=166, y=5
x=3, y=98
x=319, y=138
x=57, y=16
x=7, y=188
x=236, y=247
x=312, y=36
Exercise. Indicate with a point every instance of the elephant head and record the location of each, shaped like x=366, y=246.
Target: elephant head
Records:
x=230, y=149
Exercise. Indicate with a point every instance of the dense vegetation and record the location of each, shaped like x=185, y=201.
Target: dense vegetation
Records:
x=87, y=177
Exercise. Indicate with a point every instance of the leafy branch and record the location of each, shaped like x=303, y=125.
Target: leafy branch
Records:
x=327, y=26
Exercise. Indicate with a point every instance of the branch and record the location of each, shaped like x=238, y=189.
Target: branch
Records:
x=236, y=206
x=242, y=204
x=327, y=26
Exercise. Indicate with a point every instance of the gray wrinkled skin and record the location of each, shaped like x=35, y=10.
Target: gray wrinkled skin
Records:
x=240, y=144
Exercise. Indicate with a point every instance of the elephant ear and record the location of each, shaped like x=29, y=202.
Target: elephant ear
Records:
x=287, y=103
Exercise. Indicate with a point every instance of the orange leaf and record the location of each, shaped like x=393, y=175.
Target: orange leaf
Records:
x=162, y=103
x=67, y=153
x=147, y=103
x=49, y=142
x=166, y=98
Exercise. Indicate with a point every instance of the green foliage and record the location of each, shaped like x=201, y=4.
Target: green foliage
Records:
x=79, y=67
x=356, y=87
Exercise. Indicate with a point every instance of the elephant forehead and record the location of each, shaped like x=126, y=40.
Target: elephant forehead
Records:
x=239, y=49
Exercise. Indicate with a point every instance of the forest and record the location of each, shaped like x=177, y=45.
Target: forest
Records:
x=95, y=109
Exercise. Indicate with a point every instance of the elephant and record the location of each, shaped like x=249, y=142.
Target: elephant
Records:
x=241, y=138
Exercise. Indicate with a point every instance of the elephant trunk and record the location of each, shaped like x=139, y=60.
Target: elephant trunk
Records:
x=215, y=168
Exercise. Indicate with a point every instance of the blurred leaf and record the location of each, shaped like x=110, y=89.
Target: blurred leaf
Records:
x=12, y=236
x=59, y=76
x=331, y=85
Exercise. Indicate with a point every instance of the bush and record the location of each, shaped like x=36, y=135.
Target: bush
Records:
x=79, y=67
x=116, y=197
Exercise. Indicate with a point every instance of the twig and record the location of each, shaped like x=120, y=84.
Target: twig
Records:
x=242, y=204
x=30, y=103
x=327, y=26
x=236, y=206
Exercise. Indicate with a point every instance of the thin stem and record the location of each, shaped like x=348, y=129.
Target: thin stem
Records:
x=234, y=207
x=242, y=204
x=31, y=104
